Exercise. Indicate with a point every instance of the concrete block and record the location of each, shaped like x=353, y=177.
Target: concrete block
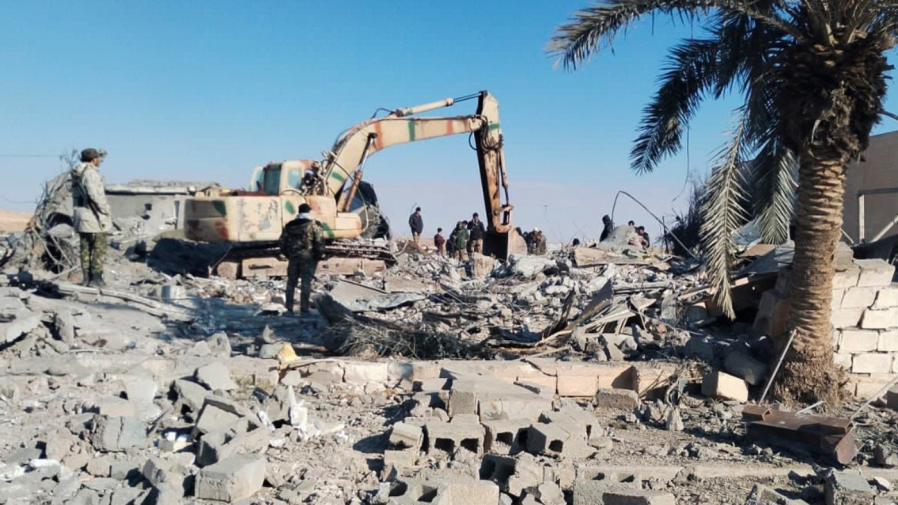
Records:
x=847, y=278
x=430, y=385
x=581, y=424
x=450, y=437
x=848, y=488
x=745, y=367
x=619, y=399
x=406, y=491
x=843, y=360
x=406, y=436
x=402, y=458
x=543, y=386
x=213, y=418
x=163, y=474
x=875, y=273
x=855, y=341
x=859, y=298
x=887, y=298
x=190, y=394
x=888, y=341
x=466, y=419
x=872, y=363
x=637, y=497
x=470, y=491
x=117, y=434
x=577, y=380
x=233, y=479
x=773, y=313
x=494, y=399
x=717, y=384
x=513, y=475
x=215, y=376
x=140, y=390
x=548, y=439
x=113, y=406
x=362, y=372
x=845, y=318
x=506, y=435
x=880, y=318
x=838, y=294
x=220, y=445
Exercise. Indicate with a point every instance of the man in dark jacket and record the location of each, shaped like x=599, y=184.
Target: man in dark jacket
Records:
x=476, y=229
x=607, y=229
x=416, y=223
x=302, y=242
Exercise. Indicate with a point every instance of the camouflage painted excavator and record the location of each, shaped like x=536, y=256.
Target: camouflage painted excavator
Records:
x=251, y=221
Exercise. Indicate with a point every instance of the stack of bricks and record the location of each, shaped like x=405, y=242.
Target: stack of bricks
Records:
x=864, y=319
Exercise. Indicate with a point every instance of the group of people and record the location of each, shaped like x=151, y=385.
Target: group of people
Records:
x=635, y=235
x=535, y=240
x=465, y=239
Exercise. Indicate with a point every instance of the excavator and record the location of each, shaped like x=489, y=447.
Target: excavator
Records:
x=250, y=221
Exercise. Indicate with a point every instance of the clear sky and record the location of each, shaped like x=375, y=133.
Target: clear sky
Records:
x=203, y=90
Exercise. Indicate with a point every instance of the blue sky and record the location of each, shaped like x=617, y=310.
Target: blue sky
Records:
x=206, y=90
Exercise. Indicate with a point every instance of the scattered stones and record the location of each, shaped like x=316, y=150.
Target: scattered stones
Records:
x=216, y=377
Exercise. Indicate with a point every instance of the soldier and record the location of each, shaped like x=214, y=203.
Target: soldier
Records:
x=461, y=240
x=302, y=242
x=477, y=230
x=91, y=216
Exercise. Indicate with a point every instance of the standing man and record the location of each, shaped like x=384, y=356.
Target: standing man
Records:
x=416, y=223
x=92, y=217
x=302, y=242
x=461, y=240
x=440, y=242
x=477, y=230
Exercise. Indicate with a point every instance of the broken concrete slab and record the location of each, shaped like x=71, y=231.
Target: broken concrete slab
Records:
x=745, y=367
x=231, y=480
x=117, y=434
x=215, y=376
x=848, y=488
x=717, y=384
x=618, y=399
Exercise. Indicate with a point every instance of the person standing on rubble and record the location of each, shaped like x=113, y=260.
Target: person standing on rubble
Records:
x=539, y=242
x=607, y=228
x=477, y=231
x=416, y=223
x=92, y=216
x=461, y=240
x=439, y=241
x=302, y=242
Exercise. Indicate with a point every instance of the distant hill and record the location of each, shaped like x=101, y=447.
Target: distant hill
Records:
x=11, y=221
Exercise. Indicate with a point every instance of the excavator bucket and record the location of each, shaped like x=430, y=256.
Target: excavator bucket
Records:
x=503, y=245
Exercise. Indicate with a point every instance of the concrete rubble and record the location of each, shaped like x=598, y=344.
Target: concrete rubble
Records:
x=593, y=375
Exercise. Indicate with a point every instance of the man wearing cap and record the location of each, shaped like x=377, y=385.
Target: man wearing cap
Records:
x=91, y=216
x=302, y=242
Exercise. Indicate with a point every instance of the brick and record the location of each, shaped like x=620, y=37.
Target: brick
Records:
x=848, y=488
x=717, y=384
x=363, y=373
x=618, y=399
x=880, y=318
x=887, y=298
x=856, y=341
x=875, y=273
x=845, y=318
x=846, y=279
x=856, y=298
x=843, y=360
x=773, y=313
x=745, y=367
x=117, y=434
x=872, y=363
x=506, y=435
x=450, y=437
x=215, y=376
x=233, y=479
x=406, y=436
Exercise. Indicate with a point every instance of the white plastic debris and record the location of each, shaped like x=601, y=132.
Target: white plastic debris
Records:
x=266, y=421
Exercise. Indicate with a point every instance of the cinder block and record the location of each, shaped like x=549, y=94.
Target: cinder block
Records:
x=875, y=273
x=359, y=372
x=506, y=435
x=406, y=491
x=872, y=363
x=887, y=298
x=745, y=367
x=450, y=437
x=847, y=278
x=880, y=318
x=857, y=298
x=888, y=341
x=581, y=424
x=845, y=318
x=513, y=475
x=717, y=384
x=548, y=439
x=406, y=436
x=848, y=488
x=233, y=479
x=619, y=399
x=856, y=341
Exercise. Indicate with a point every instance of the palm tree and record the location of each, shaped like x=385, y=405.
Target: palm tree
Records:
x=812, y=75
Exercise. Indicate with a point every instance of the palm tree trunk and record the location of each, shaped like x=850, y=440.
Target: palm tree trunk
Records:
x=809, y=374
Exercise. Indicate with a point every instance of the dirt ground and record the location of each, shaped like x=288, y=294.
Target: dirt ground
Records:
x=11, y=221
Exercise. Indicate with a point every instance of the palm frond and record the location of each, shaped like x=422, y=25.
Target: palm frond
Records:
x=595, y=28
x=690, y=71
x=723, y=213
x=773, y=190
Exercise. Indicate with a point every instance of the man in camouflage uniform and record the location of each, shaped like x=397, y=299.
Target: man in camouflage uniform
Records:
x=91, y=215
x=302, y=242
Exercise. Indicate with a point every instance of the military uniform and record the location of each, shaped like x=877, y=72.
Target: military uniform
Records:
x=92, y=218
x=302, y=242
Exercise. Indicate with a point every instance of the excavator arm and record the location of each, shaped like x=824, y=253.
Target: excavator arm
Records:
x=352, y=148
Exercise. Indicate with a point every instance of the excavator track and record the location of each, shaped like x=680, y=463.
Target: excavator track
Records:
x=244, y=260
